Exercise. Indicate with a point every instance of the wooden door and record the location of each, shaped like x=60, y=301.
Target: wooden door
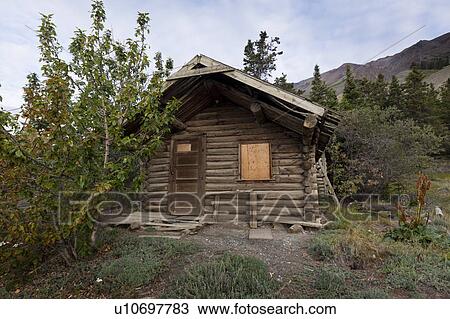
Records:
x=187, y=175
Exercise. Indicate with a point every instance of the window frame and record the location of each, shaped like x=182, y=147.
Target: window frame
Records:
x=241, y=179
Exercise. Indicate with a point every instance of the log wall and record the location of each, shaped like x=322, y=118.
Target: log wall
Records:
x=291, y=191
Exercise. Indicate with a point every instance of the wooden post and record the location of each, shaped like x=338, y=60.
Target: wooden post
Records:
x=309, y=126
x=257, y=111
x=253, y=210
x=216, y=207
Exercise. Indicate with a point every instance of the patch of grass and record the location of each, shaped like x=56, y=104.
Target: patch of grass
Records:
x=322, y=246
x=123, y=263
x=424, y=235
x=401, y=273
x=403, y=267
x=138, y=261
x=325, y=281
x=357, y=246
x=330, y=282
x=230, y=276
x=414, y=269
x=371, y=293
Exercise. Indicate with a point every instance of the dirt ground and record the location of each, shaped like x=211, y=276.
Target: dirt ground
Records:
x=285, y=254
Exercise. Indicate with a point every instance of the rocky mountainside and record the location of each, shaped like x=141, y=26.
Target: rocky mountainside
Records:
x=431, y=56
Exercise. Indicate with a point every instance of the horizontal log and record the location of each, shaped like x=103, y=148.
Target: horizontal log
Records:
x=150, y=174
x=221, y=127
x=222, y=165
x=252, y=186
x=157, y=187
x=223, y=151
x=274, y=143
x=158, y=161
x=221, y=179
x=289, y=220
x=286, y=155
x=287, y=162
x=300, y=203
x=162, y=154
x=221, y=158
x=222, y=172
x=281, y=211
x=159, y=168
x=207, y=114
x=289, y=179
x=225, y=120
x=287, y=148
x=157, y=180
x=250, y=137
x=281, y=194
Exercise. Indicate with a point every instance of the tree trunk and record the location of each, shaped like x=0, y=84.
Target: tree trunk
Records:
x=107, y=138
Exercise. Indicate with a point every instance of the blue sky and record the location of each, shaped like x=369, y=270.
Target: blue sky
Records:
x=327, y=33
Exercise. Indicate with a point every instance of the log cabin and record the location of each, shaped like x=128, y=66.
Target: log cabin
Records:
x=241, y=150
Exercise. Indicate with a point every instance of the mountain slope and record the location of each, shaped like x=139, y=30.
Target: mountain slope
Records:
x=430, y=55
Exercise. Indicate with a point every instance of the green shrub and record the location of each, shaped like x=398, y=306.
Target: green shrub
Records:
x=371, y=293
x=321, y=247
x=401, y=273
x=230, y=276
x=131, y=270
x=411, y=269
x=330, y=282
x=138, y=261
x=356, y=246
x=440, y=225
x=421, y=234
x=123, y=262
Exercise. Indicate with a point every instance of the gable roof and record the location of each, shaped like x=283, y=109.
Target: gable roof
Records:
x=202, y=65
x=199, y=82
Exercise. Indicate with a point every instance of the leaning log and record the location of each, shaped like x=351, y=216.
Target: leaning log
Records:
x=309, y=126
x=258, y=112
x=178, y=125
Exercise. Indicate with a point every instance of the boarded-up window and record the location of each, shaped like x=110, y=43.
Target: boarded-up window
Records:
x=183, y=147
x=255, y=161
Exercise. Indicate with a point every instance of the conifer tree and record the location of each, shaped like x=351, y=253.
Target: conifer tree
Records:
x=283, y=83
x=260, y=56
x=415, y=95
x=320, y=92
x=444, y=99
x=351, y=94
x=444, y=111
x=379, y=92
x=395, y=97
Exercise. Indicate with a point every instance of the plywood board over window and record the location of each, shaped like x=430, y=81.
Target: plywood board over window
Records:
x=255, y=161
x=183, y=147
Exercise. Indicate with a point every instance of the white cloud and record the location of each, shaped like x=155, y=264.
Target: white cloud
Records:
x=325, y=32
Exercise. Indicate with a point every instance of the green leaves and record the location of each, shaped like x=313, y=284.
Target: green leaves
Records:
x=74, y=134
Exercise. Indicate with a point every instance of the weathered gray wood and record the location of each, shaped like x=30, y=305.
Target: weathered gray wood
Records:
x=200, y=71
x=258, y=112
x=253, y=210
x=289, y=220
x=177, y=124
x=226, y=126
x=309, y=126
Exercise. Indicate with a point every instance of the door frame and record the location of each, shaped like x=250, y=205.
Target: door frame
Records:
x=201, y=164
